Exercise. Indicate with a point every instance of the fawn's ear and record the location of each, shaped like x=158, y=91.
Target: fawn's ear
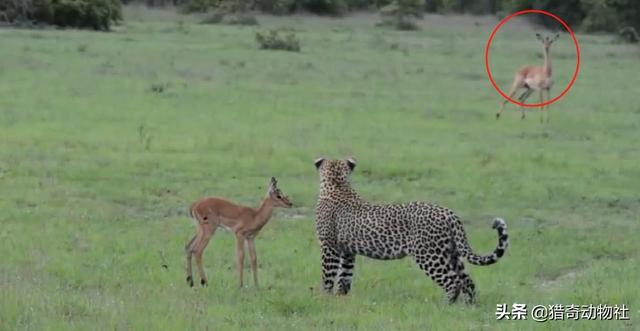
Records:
x=318, y=162
x=539, y=36
x=351, y=162
x=273, y=184
x=556, y=37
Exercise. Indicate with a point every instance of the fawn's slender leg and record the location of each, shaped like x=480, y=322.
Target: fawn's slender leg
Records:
x=524, y=97
x=240, y=257
x=546, y=108
x=188, y=248
x=541, y=107
x=207, y=231
x=512, y=92
x=254, y=260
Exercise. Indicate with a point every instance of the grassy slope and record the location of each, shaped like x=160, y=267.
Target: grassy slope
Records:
x=96, y=171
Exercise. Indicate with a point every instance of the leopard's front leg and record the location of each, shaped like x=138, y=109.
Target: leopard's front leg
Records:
x=345, y=274
x=330, y=267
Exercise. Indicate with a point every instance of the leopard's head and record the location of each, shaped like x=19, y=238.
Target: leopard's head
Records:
x=335, y=172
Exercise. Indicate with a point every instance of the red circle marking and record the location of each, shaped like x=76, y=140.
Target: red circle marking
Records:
x=575, y=42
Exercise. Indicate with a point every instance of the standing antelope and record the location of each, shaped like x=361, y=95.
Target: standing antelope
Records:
x=534, y=78
x=245, y=222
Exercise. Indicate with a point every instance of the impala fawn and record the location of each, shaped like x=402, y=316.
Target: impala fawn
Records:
x=534, y=78
x=244, y=222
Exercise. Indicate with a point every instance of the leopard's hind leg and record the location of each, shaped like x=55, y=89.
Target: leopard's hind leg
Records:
x=435, y=260
x=466, y=284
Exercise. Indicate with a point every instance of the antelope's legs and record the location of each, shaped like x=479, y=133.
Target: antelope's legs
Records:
x=254, y=260
x=512, y=92
x=546, y=108
x=541, y=107
x=188, y=248
x=524, y=97
x=206, y=231
x=240, y=256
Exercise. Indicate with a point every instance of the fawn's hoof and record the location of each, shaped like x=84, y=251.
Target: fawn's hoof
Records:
x=203, y=282
x=190, y=281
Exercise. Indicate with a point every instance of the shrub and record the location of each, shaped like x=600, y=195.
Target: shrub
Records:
x=453, y=6
x=43, y=11
x=198, y=6
x=628, y=12
x=629, y=34
x=234, y=6
x=214, y=18
x=241, y=19
x=232, y=12
x=277, y=7
x=220, y=17
x=25, y=11
x=433, y=6
x=364, y=4
x=571, y=11
x=410, y=8
x=275, y=41
x=404, y=24
x=327, y=7
x=600, y=17
x=401, y=14
x=94, y=14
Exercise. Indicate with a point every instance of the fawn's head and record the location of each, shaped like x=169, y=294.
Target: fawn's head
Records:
x=546, y=40
x=335, y=171
x=276, y=195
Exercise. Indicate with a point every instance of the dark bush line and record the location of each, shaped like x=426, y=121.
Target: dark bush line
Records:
x=588, y=15
x=91, y=14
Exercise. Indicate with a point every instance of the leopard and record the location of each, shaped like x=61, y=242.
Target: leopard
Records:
x=347, y=225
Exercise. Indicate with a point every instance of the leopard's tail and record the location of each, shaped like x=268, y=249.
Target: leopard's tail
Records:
x=465, y=250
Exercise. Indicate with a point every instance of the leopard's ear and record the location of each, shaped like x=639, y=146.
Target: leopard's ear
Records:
x=318, y=162
x=351, y=162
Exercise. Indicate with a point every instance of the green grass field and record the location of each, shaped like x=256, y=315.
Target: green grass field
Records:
x=97, y=171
